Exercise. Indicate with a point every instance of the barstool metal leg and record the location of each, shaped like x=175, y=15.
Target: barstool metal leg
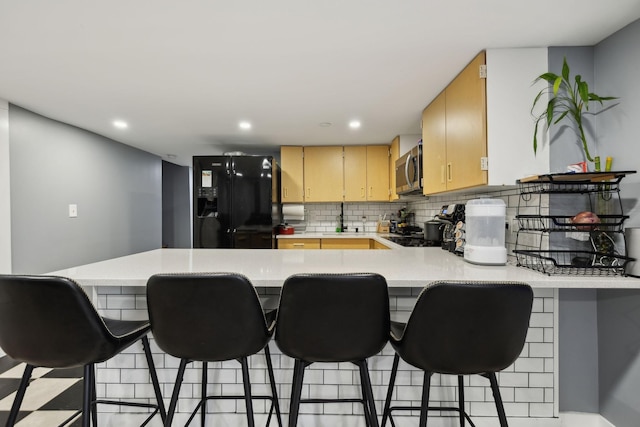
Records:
x=272, y=380
x=94, y=398
x=22, y=389
x=365, y=402
x=247, y=391
x=87, y=392
x=203, y=394
x=296, y=391
x=424, y=409
x=176, y=392
x=498, y=399
x=387, y=403
x=461, y=398
x=154, y=378
x=370, y=405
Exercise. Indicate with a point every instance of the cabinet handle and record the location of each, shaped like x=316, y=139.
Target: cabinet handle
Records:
x=370, y=191
x=286, y=192
x=308, y=192
x=443, y=174
x=299, y=244
x=362, y=192
x=449, y=174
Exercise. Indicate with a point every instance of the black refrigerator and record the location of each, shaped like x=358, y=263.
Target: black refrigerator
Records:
x=236, y=202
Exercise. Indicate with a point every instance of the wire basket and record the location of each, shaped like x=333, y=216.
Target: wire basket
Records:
x=612, y=223
x=585, y=263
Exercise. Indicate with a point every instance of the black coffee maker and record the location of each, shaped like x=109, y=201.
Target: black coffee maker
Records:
x=451, y=215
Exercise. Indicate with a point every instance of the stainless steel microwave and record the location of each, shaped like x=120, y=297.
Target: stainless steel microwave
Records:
x=409, y=171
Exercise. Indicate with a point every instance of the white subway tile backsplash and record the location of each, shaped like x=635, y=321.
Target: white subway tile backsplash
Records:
x=527, y=387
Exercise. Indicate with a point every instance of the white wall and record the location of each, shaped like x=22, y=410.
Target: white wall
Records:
x=5, y=191
x=510, y=94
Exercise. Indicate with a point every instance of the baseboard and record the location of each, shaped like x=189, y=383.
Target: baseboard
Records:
x=583, y=419
x=566, y=419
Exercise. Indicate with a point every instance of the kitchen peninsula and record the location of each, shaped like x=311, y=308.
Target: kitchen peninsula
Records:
x=529, y=387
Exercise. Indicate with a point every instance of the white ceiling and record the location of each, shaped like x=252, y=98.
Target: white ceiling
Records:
x=184, y=73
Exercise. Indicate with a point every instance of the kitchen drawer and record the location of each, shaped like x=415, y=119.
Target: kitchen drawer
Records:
x=298, y=243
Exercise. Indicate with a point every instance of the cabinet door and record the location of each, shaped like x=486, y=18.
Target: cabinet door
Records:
x=377, y=173
x=394, y=154
x=355, y=173
x=434, y=146
x=466, y=114
x=298, y=243
x=292, y=166
x=323, y=174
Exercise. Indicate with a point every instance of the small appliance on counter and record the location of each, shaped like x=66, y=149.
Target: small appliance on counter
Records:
x=632, y=237
x=451, y=215
x=485, y=232
x=285, y=229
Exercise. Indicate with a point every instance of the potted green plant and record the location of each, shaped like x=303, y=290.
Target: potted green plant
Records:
x=567, y=98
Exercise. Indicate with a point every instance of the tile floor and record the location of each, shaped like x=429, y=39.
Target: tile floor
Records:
x=52, y=397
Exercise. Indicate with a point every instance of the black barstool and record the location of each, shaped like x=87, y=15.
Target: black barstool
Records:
x=462, y=328
x=49, y=322
x=333, y=318
x=211, y=318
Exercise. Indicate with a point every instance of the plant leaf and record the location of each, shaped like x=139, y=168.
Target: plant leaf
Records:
x=535, y=137
x=549, y=112
x=583, y=90
x=565, y=69
x=556, y=85
x=549, y=77
x=562, y=116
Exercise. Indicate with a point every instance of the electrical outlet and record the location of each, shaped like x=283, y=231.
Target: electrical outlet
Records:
x=73, y=211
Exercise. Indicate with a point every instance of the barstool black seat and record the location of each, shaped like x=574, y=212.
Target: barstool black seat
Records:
x=210, y=318
x=333, y=318
x=49, y=322
x=462, y=328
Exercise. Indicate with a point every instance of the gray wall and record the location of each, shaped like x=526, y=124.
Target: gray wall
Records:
x=619, y=350
x=176, y=206
x=617, y=61
x=600, y=332
x=117, y=189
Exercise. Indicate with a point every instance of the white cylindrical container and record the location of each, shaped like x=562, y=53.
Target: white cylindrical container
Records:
x=632, y=241
x=485, y=232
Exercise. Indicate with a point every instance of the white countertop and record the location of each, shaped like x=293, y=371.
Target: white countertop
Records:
x=402, y=267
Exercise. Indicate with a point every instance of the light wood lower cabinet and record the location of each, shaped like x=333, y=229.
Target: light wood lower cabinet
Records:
x=330, y=243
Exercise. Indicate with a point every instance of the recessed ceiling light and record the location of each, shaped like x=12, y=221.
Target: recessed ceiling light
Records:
x=244, y=125
x=325, y=124
x=120, y=124
x=354, y=124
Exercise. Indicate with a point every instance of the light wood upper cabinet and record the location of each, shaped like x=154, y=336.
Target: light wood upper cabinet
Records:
x=486, y=120
x=434, y=146
x=466, y=131
x=292, y=176
x=323, y=177
x=394, y=154
x=355, y=173
x=454, y=133
x=377, y=171
x=335, y=173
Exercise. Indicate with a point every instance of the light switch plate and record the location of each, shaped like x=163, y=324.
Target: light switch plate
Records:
x=73, y=211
